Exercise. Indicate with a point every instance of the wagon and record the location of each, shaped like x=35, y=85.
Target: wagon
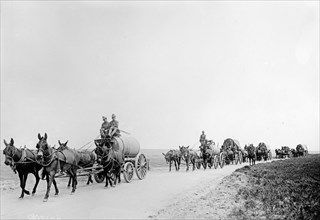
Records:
x=284, y=152
x=216, y=156
x=231, y=151
x=134, y=161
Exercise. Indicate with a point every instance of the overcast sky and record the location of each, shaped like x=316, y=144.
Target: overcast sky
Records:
x=168, y=70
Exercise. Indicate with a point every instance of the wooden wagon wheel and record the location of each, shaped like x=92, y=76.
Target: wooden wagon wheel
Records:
x=99, y=177
x=221, y=159
x=128, y=171
x=141, y=166
x=215, y=161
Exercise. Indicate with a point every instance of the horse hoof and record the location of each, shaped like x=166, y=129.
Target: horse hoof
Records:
x=33, y=194
x=45, y=200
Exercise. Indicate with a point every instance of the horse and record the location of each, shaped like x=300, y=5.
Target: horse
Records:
x=175, y=156
x=189, y=156
x=207, y=155
x=111, y=161
x=251, y=154
x=53, y=161
x=87, y=159
x=24, y=162
x=262, y=151
x=244, y=154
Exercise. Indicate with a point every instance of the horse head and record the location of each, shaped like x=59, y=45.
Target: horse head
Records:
x=62, y=146
x=9, y=152
x=102, y=151
x=42, y=146
x=184, y=151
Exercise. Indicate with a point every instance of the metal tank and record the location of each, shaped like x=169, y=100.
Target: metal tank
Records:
x=128, y=145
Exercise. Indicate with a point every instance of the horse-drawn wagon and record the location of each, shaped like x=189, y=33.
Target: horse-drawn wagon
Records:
x=302, y=150
x=211, y=155
x=283, y=152
x=231, y=151
x=125, y=150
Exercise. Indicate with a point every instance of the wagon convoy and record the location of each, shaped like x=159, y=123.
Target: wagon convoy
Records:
x=116, y=154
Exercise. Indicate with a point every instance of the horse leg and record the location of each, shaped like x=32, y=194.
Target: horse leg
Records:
x=170, y=165
x=36, y=175
x=51, y=174
x=74, y=180
x=176, y=164
x=21, y=184
x=193, y=164
x=55, y=187
x=89, y=179
x=69, y=183
x=187, y=163
x=24, y=183
x=119, y=174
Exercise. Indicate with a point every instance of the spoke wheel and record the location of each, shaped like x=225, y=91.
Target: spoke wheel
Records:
x=141, y=166
x=99, y=177
x=128, y=171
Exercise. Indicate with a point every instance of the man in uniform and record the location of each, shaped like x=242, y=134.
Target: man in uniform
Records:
x=202, y=139
x=113, y=127
x=104, y=127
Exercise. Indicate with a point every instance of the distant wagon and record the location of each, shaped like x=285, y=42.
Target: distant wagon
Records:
x=231, y=151
x=302, y=150
x=284, y=152
x=134, y=161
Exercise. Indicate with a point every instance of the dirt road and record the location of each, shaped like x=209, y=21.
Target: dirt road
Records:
x=139, y=199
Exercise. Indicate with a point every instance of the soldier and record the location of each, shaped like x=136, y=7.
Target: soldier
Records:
x=202, y=139
x=104, y=127
x=113, y=127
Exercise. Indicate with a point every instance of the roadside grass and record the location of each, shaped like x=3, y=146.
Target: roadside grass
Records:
x=283, y=189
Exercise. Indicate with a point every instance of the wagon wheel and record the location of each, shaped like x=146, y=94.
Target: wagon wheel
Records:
x=221, y=159
x=128, y=171
x=215, y=161
x=240, y=157
x=99, y=177
x=141, y=166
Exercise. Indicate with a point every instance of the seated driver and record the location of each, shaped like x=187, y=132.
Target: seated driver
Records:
x=113, y=127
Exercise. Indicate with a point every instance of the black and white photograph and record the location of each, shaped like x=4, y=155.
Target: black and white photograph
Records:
x=159, y=109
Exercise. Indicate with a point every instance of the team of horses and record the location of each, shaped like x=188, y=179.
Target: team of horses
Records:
x=59, y=161
x=210, y=153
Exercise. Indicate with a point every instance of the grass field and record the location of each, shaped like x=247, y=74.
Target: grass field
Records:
x=284, y=189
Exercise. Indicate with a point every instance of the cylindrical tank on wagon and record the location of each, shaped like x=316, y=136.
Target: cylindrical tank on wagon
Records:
x=128, y=145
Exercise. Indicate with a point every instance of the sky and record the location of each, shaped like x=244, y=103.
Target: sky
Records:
x=247, y=70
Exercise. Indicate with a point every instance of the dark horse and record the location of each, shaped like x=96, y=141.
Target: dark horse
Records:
x=54, y=161
x=173, y=156
x=207, y=155
x=87, y=159
x=23, y=161
x=189, y=156
x=111, y=161
x=251, y=154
